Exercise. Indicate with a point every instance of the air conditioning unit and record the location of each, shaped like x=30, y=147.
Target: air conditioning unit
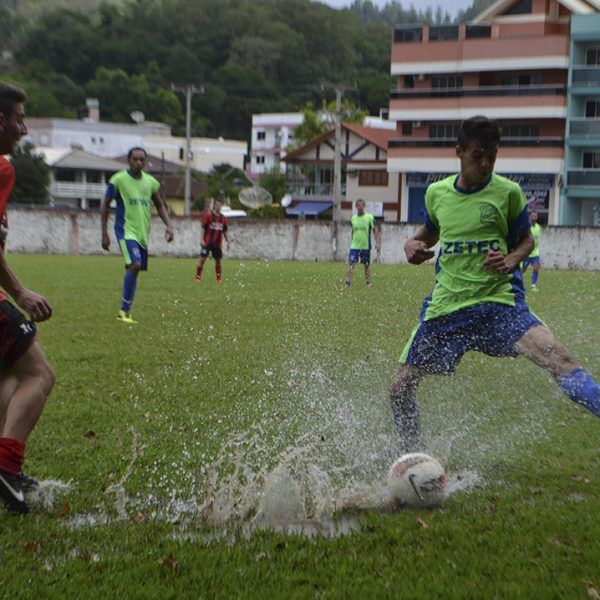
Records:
x=417, y=124
x=420, y=77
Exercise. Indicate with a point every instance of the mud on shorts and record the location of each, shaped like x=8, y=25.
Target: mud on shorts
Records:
x=17, y=334
x=437, y=345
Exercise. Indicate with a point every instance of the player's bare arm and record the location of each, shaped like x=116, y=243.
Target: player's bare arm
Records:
x=36, y=306
x=417, y=248
x=500, y=263
x=163, y=213
x=104, y=221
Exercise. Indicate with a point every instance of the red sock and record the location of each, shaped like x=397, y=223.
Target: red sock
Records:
x=218, y=271
x=12, y=455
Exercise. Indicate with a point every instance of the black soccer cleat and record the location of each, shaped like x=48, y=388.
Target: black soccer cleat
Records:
x=12, y=492
x=28, y=483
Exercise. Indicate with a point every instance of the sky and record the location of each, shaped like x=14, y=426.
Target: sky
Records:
x=450, y=6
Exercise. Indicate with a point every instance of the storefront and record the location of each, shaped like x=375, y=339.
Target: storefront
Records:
x=536, y=187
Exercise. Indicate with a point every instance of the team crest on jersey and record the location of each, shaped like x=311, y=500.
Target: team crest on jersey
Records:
x=487, y=214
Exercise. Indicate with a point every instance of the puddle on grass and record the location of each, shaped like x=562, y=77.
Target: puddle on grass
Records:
x=275, y=476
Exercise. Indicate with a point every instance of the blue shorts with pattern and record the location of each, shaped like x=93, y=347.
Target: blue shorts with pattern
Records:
x=437, y=345
x=134, y=252
x=362, y=256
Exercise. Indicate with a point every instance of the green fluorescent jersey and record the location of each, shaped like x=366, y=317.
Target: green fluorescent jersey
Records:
x=469, y=225
x=134, y=200
x=361, y=231
x=536, y=231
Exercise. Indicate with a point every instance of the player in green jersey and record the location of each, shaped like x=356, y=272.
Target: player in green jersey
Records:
x=534, y=258
x=134, y=191
x=360, y=249
x=478, y=300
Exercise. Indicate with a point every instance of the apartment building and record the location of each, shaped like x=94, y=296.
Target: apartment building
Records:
x=580, y=193
x=512, y=64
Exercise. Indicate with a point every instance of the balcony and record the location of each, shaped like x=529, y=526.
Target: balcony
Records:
x=585, y=127
x=538, y=142
x=304, y=191
x=583, y=178
x=584, y=76
x=488, y=90
x=63, y=189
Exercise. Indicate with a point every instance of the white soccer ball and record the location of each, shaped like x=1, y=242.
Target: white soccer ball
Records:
x=417, y=480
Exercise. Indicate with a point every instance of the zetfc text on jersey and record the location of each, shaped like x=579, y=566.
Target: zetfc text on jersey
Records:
x=479, y=247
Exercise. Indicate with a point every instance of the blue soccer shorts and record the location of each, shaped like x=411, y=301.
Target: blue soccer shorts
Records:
x=535, y=260
x=362, y=256
x=437, y=345
x=132, y=252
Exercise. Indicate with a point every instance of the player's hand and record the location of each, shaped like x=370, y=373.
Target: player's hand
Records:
x=498, y=263
x=417, y=251
x=105, y=241
x=169, y=235
x=36, y=306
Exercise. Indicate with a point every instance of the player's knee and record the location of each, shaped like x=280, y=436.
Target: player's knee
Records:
x=134, y=267
x=46, y=375
x=405, y=380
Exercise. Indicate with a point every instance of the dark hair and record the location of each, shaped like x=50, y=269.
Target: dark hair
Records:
x=480, y=129
x=134, y=149
x=9, y=96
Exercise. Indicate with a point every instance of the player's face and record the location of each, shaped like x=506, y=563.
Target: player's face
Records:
x=360, y=208
x=12, y=128
x=217, y=206
x=137, y=161
x=533, y=217
x=476, y=163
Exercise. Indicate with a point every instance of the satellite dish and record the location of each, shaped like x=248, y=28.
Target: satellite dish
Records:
x=286, y=201
x=255, y=197
x=138, y=116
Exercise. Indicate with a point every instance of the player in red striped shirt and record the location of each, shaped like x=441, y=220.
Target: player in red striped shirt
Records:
x=214, y=227
x=26, y=378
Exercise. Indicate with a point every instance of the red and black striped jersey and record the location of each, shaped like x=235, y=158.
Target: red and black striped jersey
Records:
x=214, y=225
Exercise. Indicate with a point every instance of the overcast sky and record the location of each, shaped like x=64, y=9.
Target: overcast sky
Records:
x=451, y=6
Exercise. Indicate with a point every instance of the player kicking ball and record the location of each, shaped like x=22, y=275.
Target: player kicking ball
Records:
x=478, y=301
x=214, y=227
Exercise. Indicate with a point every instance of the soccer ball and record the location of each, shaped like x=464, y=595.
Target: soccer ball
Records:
x=417, y=480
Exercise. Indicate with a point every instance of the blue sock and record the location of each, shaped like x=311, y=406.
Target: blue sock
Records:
x=581, y=388
x=129, y=285
x=534, y=277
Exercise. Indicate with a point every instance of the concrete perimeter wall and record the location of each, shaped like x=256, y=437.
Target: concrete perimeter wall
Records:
x=51, y=231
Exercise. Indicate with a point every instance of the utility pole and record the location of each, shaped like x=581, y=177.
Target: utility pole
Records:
x=337, y=160
x=189, y=90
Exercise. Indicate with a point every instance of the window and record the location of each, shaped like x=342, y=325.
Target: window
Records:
x=592, y=57
x=441, y=33
x=591, y=160
x=446, y=81
x=261, y=135
x=521, y=79
x=407, y=128
x=592, y=109
x=520, y=8
x=372, y=178
x=260, y=160
x=444, y=131
x=408, y=34
x=520, y=130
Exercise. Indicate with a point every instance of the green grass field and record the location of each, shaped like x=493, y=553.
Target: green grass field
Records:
x=165, y=432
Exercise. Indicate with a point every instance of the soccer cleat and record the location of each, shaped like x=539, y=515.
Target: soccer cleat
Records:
x=28, y=483
x=125, y=317
x=347, y=284
x=219, y=280
x=369, y=284
x=12, y=492
x=534, y=289
x=197, y=279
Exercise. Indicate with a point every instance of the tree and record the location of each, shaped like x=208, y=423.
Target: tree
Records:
x=223, y=181
x=32, y=176
x=316, y=123
x=274, y=182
